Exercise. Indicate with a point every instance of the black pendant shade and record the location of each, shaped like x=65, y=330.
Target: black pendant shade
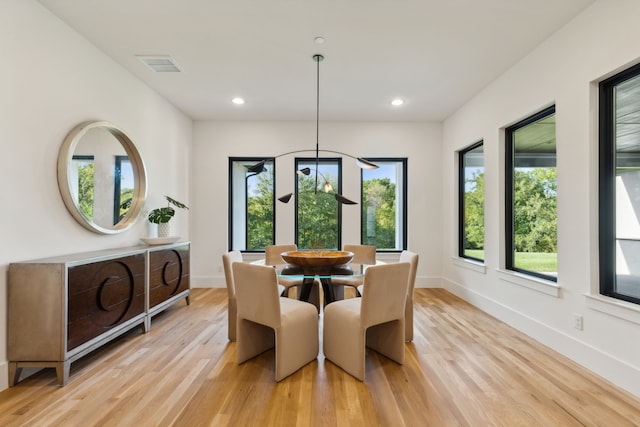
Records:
x=285, y=198
x=257, y=168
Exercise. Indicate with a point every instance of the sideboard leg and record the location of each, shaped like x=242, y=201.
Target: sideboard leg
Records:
x=14, y=373
x=62, y=372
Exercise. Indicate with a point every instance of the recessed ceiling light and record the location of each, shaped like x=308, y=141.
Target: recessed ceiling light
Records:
x=397, y=102
x=238, y=101
x=319, y=40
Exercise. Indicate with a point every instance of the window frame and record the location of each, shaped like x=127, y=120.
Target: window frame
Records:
x=404, y=205
x=77, y=160
x=509, y=191
x=117, y=186
x=461, y=200
x=231, y=228
x=607, y=150
x=320, y=160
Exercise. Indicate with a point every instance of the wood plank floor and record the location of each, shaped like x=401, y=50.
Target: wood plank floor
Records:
x=464, y=368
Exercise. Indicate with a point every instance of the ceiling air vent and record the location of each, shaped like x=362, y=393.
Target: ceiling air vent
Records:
x=159, y=64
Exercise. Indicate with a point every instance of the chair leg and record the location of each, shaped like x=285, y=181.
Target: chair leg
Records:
x=408, y=322
x=344, y=343
x=388, y=339
x=253, y=339
x=232, y=314
x=296, y=342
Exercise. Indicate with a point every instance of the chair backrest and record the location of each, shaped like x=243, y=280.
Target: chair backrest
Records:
x=385, y=293
x=272, y=253
x=362, y=254
x=412, y=259
x=257, y=293
x=227, y=260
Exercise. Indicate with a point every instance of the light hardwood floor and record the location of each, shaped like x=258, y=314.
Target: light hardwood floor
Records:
x=464, y=368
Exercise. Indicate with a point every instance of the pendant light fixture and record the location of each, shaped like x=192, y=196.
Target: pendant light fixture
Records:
x=327, y=188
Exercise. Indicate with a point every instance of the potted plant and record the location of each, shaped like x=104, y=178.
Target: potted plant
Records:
x=162, y=216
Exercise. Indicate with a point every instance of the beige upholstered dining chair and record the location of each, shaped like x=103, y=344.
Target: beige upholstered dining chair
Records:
x=362, y=255
x=376, y=320
x=412, y=259
x=267, y=320
x=227, y=260
x=273, y=257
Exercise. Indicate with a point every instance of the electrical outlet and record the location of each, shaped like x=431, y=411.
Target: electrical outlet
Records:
x=577, y=322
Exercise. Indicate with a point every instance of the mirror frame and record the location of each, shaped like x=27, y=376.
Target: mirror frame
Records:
x=65, y=157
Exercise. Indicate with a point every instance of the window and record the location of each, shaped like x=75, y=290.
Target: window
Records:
x=81, y=180
x=384, y=205
x=251, y=204
x=318, y=213
x=123, y=188
x=471, y=202
x=530, y=199
x=619, y=186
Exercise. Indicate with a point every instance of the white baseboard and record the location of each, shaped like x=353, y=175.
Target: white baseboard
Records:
x=4, y=375
x=208, y=282
x=428, y=282
x=599, y=362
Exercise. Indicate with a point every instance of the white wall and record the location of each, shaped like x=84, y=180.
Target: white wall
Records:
x=215, y=142
x=562, y=70
x=51, y=80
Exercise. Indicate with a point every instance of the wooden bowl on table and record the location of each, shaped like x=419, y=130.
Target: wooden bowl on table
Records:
x=317, y=258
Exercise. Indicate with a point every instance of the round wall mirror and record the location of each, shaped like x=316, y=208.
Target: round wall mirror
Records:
x=101, y=177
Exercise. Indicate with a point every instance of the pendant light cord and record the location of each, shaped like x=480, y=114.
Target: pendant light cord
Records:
x=317, y=58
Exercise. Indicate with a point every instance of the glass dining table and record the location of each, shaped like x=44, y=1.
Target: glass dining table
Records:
x=309, y=274
x=323, y=265
x=310, y=265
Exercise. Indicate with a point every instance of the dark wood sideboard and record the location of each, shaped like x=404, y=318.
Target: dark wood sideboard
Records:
x=62, y=308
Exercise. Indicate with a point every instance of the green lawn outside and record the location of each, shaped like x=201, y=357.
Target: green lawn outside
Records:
x=475, y=253
x=540, y=262
x=537, y=261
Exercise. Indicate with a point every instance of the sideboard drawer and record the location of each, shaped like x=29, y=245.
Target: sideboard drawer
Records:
x=168, y=274
x=103, y=295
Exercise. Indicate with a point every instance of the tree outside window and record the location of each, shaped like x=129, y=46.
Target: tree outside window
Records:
x=251, y=204
x=471, y=202
x=318, y=214
x=531, y=196
x=82, y=183
x=123, y=188
x=384, y=205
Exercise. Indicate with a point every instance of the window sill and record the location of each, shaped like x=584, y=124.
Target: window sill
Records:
x=614, y=307
x=469, y=264
x=545, y=286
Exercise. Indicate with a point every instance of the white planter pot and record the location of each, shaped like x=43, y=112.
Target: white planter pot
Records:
x=164, y=229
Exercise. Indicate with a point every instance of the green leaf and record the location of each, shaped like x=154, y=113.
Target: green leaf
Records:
x=161, y=215
x=176, y=203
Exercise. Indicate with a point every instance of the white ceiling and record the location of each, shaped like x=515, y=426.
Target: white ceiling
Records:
x=435, y=54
